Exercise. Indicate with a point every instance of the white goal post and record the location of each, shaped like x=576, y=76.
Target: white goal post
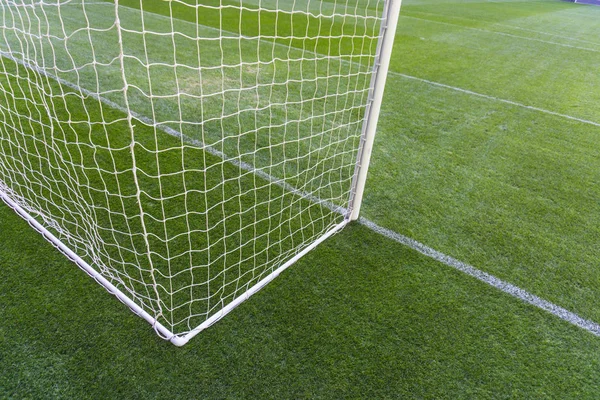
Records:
x=185, y=152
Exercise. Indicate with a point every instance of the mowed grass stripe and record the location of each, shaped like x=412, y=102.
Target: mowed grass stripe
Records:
x=399, y=74
x=175, y=133
x=406, y=76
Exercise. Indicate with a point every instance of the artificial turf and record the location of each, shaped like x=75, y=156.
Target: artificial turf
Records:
x=179, y=208
x=511, y=190
x=360, y=317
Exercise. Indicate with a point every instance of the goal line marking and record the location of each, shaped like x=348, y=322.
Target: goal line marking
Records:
x=484, y=277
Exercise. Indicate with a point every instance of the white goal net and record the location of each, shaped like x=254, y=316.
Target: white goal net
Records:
x=183, y=152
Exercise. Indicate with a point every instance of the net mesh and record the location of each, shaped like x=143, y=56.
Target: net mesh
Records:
x=184, y=150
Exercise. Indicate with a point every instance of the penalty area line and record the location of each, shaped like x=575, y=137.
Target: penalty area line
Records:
x=484, y=277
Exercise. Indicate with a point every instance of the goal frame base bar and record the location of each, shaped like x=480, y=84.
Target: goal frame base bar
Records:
x=161, y=330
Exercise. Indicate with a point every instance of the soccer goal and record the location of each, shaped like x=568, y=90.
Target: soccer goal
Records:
x=183, y=153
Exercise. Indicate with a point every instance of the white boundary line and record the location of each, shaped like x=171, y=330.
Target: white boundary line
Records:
x=518, y=28
x=486, y=96
x=505, y=34
x=484, y=277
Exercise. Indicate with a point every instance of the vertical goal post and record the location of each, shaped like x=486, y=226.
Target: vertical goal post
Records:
x=185, y=153
x=378, y=79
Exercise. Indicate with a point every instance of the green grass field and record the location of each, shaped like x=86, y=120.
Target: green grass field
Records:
x=496, y=167
x=179, y=208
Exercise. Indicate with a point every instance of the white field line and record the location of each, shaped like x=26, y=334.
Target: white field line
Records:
x=489, y=279
x=505, y=34
x=547, y=34
x=484, y=277
x=170, y=131
x=518, y=28
x=485, y=96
